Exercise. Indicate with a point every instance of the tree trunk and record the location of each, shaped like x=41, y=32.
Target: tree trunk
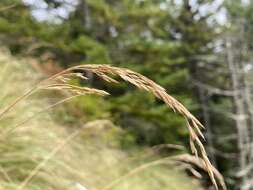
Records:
x=240, y=118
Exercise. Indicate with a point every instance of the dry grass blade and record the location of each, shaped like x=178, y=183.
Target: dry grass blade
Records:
x=139, y=169
x=51, y=84
x=5, y=8
x=49, y=156
x=11, y=129
x=19, y=99
x=75, y=89
x=170, y=160
x=200, y=164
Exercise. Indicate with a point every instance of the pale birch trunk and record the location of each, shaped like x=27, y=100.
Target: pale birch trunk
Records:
x=241, y=117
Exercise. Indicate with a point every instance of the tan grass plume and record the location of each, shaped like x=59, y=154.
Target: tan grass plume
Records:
x=60, y=81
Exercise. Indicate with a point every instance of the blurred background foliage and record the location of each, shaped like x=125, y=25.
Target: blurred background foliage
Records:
x=184, y=45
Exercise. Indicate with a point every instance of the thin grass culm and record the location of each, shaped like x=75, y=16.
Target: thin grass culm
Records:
x=60, y=81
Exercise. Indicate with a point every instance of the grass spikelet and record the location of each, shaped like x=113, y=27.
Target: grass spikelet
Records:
x=145, y=83
x=200, y=163
x=75, y=89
